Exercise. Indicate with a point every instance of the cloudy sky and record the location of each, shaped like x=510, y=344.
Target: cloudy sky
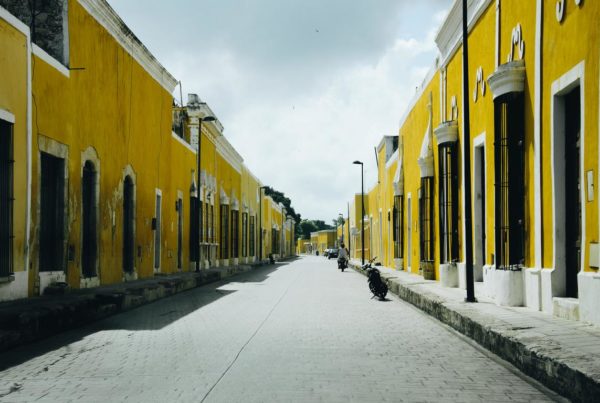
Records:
x=303, y=87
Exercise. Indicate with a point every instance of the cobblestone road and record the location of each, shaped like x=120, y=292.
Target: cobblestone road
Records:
x=300, y=332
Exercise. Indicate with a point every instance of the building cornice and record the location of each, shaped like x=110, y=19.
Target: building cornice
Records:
x=226, y=150
x=449, y=37
x=114, y=25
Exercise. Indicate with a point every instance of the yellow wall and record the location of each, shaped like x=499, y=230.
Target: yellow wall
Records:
x=13, y=99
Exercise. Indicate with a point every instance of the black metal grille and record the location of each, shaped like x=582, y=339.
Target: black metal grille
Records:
x=52, y=205
x=509, y=180
x=224, y=244
x=448, y=171
x=244, y=234
x=128, y=224
x=194, y=222
x=426, y=219
x=179, y=233
x=89, y=250
x=6, y=199
x=252, y=234
x=235, y=223
x=398, y=217
x=274, y=241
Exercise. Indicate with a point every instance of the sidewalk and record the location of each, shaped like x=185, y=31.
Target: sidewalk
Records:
x=26, y=320
x=564, y=355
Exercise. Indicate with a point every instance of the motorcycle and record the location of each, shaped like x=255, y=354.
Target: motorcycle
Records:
x=342, y=263
x=377, y=286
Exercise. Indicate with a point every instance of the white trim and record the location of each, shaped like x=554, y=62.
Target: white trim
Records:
x=183, y=143
x=7, y=116
x=229, y=154
x=537, y=119
x=393, y=158
x=114, y=25
x=498, y=26
x=479, y=142
x=44, y=56
x=446, y=132
x=508, y=77
x=571, y=79
x=449, y=37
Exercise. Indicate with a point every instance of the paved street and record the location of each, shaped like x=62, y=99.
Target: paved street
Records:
x=301, y=331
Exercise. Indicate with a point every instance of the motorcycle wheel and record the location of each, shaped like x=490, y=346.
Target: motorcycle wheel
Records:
x=382, y=292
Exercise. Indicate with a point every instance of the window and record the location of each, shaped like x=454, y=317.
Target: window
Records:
x=398, y=235
x=448, y=171
x=179, y=207
x=274, y=241
x=224, y=243
x=157, y=230
x=509, y=176
x=194, y=222
x=52, y=213
x=6, y=198
x=252, y=235
x=235, y=226
x=244, y=234
x=211, y=223
x=89, y=251
x=426, y=219
x=128, y=224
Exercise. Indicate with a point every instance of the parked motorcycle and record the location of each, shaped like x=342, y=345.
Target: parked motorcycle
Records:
x=377, y=286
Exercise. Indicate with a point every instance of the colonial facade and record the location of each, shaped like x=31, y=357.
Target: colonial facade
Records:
x=534, y=106
x=98, y=181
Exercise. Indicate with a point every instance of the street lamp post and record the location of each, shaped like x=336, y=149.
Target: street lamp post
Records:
x=198, y=206
x=362, y=205
x=260, y=236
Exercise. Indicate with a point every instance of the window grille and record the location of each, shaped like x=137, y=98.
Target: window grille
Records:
x=274, y=241
x=89, y=250
x=128, y=225
x=426, y=219
x=194, y=222
x=509, y=177
x=224, y=244
x=252, y=234
x=235, y=220
x=398, y=234
x=6, y=198
x=52, y=206
x=244, y=234
x=448, y=173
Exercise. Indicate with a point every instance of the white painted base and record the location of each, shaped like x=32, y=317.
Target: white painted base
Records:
x=589, y=297
x=236, y=261
x=398, y=263
x=449, y=275
x=89, y=282
x=15, y=289
x=130, y=276
x=477, y=273
x=223, y=263
x=509, y=287
x=566, y=308
x=462, y=275
x=549, y=289
x=49, y=277
x=488, y=286
x=533, y=288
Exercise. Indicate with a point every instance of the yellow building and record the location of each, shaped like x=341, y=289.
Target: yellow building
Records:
x=99, y=176
x=534, y=100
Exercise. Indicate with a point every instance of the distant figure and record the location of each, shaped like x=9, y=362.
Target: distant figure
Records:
x=317, y=253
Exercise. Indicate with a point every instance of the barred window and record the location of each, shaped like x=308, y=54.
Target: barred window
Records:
x=398, y=235
x=426, y=219
x=252, y=235
x=509, y=122
x=52, y=208
x=235, y=220
x=194, y=221
x=224, y=242
x=448, y=174
x=6, y=198
x=244, y=234
x=274, y=241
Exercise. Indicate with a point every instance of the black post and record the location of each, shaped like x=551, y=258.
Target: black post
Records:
x=467, y=154
x=362, y=217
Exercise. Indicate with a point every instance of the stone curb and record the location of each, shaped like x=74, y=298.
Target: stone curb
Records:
x=26, y=321
x=554, y=373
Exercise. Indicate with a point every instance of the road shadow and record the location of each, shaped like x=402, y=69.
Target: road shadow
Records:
x=152, y=316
